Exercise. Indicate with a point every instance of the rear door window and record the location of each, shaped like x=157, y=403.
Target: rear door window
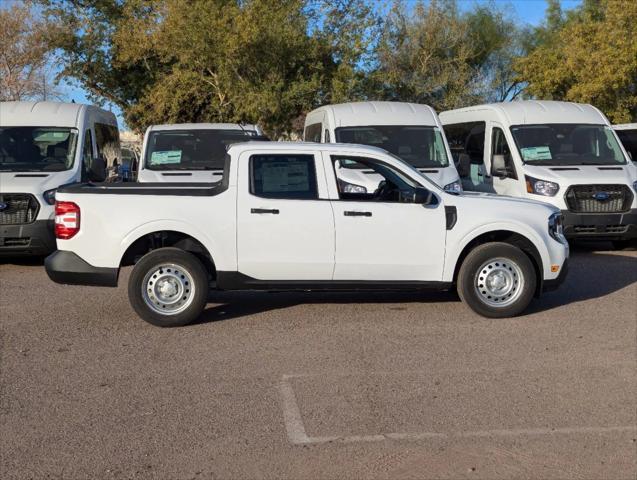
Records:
x=107, y=142
x=283, y=176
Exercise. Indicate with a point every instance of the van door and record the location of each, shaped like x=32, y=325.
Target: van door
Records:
x=285, y=224
x=501, y=165
x=469, y=151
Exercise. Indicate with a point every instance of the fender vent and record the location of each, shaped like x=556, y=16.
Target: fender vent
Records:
x=451, y=213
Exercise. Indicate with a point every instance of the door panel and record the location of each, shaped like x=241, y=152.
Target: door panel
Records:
x=284, y=238
x=500, y=144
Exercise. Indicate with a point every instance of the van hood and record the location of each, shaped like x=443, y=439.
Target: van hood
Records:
x=33, y=182
x=584, y=174
x=494, y=197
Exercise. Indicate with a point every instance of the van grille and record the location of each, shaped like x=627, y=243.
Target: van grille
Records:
x=19, y=208
x=599, y=198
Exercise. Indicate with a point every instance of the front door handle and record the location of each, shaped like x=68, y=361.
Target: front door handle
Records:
x=351, y=213
x=274, y=211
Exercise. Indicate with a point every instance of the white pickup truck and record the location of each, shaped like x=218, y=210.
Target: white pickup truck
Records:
x=278, y=221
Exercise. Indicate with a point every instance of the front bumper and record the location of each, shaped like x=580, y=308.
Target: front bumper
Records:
x=37, y=238
x=68, y=268
x=550, y=285
x=600, y=226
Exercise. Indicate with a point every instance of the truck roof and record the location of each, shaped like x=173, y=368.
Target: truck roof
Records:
x=47, y=114
x=302, y=146
x=532, y=112
x=204, y=126
x=380, y=113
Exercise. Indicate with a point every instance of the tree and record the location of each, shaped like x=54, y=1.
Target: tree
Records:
x=24, y=55
x=590, y=57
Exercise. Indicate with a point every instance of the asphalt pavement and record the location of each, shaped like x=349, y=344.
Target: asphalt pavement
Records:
x=321, y=385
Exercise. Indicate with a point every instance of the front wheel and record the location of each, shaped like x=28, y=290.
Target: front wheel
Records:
x=168, y=287
x=497, y=280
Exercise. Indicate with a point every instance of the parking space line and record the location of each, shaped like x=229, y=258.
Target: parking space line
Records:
x=298, y=436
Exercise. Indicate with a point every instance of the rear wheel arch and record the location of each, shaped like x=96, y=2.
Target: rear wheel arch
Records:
x=168, y=238
x=512, y=238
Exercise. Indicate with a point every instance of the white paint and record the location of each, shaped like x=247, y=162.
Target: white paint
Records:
x=298, y=436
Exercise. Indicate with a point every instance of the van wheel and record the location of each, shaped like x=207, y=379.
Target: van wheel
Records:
x=168, y=287
x=497, y=280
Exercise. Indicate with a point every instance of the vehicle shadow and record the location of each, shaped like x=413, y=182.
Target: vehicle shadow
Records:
x=239, y=304
x=592, y=274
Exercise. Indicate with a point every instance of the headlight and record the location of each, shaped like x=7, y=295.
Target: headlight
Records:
x=49, y=196
x=453, y=187
x=556, y=227
x=351, y=188
x=541, y=187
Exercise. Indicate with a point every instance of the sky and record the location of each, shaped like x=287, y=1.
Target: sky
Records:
x=529, y=12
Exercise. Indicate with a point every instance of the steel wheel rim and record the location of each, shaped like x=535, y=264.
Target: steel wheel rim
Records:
x=499, y=282
x=168, y=289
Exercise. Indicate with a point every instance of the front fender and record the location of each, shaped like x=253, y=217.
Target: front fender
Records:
x=454, y=252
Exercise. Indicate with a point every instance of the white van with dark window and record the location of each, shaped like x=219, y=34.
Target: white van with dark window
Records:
x=190, y=152
x=565, y=154
x=45, y=145
x=627, y=133
x=410, y=131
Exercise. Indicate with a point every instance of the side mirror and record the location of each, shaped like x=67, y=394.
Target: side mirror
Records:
x=498, y=166
x=97, y=171
x=418, y=195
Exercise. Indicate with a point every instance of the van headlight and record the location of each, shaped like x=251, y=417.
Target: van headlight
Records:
x=49, y=196
x=351, y=188
x=453, y=187
x=556, y=227
x=541, y=187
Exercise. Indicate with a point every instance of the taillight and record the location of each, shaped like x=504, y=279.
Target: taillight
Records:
x=67, y=220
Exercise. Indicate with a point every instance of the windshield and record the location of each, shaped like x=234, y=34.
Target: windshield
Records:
x=567, y=144
x=37, y=149
x=191, y=149
x=629, y=139
x=419, y=146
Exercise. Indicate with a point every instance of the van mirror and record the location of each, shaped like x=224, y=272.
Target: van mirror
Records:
x=418, y=195
x=498, y=166
x=97, y=171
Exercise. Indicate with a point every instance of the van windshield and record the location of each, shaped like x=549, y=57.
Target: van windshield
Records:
x=191, y=149
x=567, y=144
x=37, y=149
x=419, y=146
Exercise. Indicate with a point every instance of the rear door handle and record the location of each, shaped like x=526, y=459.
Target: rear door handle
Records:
x=351, y=213
x=274, y=211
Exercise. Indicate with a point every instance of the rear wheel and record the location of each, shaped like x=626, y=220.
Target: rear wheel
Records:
x=168, y=287
x=497, y=280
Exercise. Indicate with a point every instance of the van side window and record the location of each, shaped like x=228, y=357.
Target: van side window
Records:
x=291, y=177
x=87, y=154
x=313, y=133
x=107, y=141
x=500, y=146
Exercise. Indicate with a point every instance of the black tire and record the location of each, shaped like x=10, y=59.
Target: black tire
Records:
x=189, y=278
x=515, y=300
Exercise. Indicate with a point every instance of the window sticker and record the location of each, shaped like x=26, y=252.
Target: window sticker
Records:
x=166, y=157
x=285, y=177
x=536, y=153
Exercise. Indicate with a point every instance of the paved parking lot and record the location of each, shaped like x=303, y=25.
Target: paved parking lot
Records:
x=295, y=385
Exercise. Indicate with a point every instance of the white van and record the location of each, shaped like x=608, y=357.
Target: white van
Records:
x=565, y=154
x=627, y=133
x=410, y=131
x=190, y=152
x=44, y=145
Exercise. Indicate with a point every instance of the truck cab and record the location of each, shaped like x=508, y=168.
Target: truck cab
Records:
x=44, y=145
x=410, y=131
x=561, y=153
x=190, y=152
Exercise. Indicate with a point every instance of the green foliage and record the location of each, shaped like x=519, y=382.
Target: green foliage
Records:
x=589, y=57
